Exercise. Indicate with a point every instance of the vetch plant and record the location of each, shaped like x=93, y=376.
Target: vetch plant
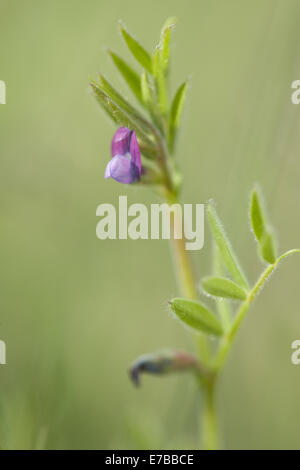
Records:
x=143, y=152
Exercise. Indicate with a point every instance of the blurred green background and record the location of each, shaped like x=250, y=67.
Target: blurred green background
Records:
x=76, y=311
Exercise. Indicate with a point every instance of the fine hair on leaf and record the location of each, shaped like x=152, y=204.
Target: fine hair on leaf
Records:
x=226, y=251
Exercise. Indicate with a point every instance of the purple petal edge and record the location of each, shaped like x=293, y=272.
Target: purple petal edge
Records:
x=122, y=169
x=135, y=153
x=120, y=141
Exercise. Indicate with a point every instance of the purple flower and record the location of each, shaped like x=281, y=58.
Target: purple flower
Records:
x=125, y=165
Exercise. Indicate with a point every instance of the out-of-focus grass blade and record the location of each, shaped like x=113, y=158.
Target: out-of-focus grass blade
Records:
x=175, y=114
x=137, y=50
x=225, y=248
x=222, y=287
x=196, y=315
x=267, y=248
x=257, y=216
x=129, y=75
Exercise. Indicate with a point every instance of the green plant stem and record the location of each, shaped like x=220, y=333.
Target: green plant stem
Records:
x=187, y=283
x=182, y=265
x=186, y=279
x=229, y=337
x=209, y=419
x=188, y=287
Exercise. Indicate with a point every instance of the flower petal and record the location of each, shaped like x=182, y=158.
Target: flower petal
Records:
x=122, y=169
x=107, y=171
x=135, y=153
x=120, y=142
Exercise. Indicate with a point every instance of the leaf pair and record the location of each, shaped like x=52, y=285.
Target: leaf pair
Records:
x=261, y=229
x=139, y=85
x=130, y=76
x=218, y=285
x=237, y=288
x=197, y=315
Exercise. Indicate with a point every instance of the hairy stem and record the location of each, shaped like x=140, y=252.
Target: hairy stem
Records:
x=188, y=287
x=186, y=279
x=229, y=337
x=182, y=263
x=209, y=420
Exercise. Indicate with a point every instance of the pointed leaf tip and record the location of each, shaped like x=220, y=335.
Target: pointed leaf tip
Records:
x=261, y=229
x=257, y=217
x=267, y=248
x=137, y=50
x=172, y=21
x=130, y=76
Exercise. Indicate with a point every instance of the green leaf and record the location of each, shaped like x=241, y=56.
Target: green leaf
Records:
x=196, y=315
x=267, y=248
x=175, y=113
x=171, y=21
x=137, y=50
x=124, y=118
x=109, y=90
x=223, y=306
x=149, y=100
x=102, y=100
x=262, y=232
x=165, y=49
x=222, y=287
x=146, y=90
x=129, y=75
x=165, y=40
x=257, y=216
x=149, y=95
x=225, y=248
x=164, y=46
x=160, y=82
